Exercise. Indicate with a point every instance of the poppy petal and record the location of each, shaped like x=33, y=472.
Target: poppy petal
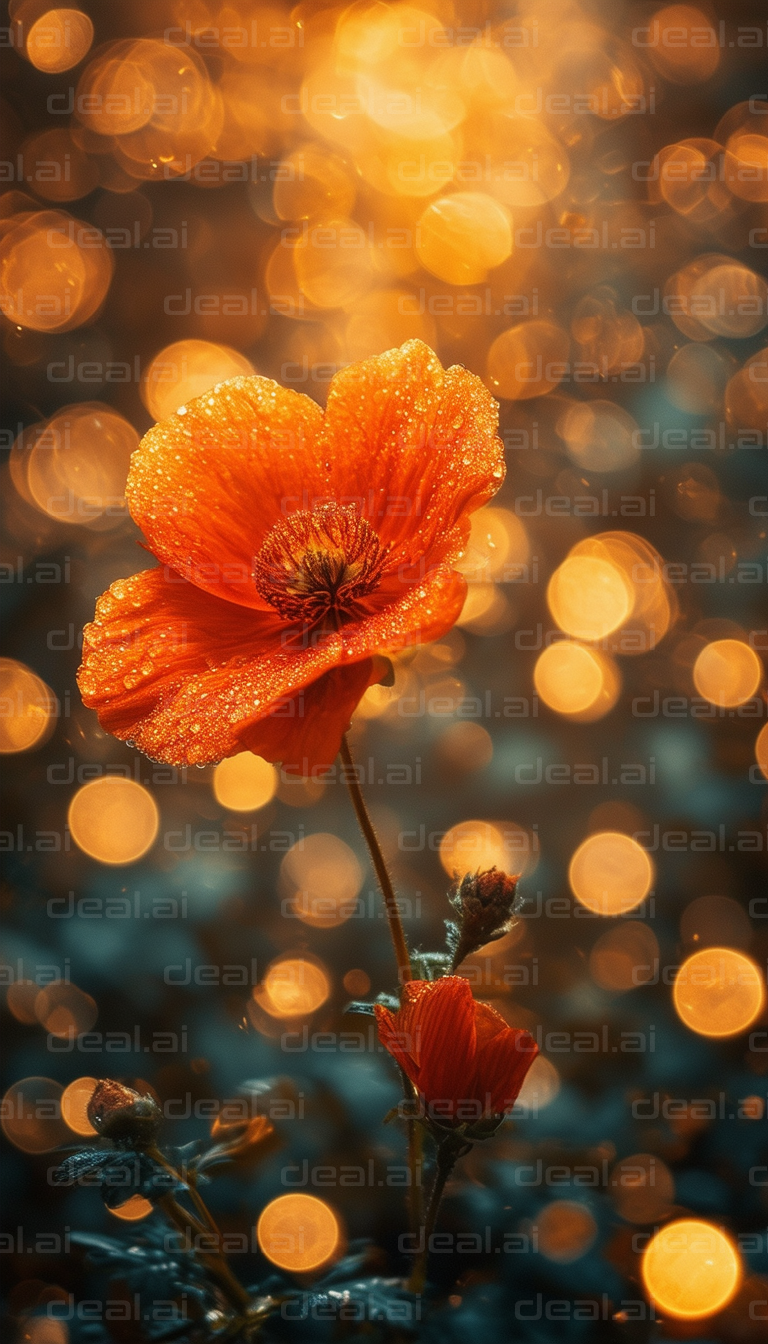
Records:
x=441, y=1021
x=206, y=484
x=504, y=1056
x=184, y=674
x=305, y=730
x=396, y=1040
x=415, y=444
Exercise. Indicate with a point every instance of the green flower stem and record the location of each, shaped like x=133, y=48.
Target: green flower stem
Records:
x=447, y=1155
x=214, y=1261
x=377, y=859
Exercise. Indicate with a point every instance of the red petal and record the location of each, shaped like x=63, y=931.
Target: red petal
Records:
x=207, y=485
x=439, y=1018
x=305, y=731
x=504, y=1056
x=396, y=1040
x=185, y=674
x=415, y=445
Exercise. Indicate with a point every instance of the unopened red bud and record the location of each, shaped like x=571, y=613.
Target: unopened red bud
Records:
x=127, y=1117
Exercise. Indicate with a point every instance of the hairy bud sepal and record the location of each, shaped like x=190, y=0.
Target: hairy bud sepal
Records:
x=128, y=1118
x=485, y=905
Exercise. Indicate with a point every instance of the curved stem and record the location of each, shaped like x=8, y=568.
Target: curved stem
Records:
x=214, y=1261
x=446, y=1160
x=377, y=859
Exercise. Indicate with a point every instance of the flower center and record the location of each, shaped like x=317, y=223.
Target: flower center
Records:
x=319, y=561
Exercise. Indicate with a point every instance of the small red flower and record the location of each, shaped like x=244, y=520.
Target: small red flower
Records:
x=466, y=1063
x=295, y=547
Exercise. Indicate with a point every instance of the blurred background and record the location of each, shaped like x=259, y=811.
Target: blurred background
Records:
x=571, y=199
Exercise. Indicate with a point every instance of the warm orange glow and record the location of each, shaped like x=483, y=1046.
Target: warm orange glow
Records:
x=114, y=820
x=324, y=876
x=187, y=369
x=610, y=873
x=642, y=1188
x=718, y=992
x=74, y=1105
x=298, y=1232
x=474, y=845
x=465, y=747
x=691, y=1269
x=746, y=166
x=497, y=548
x=64, y=1010
x=528, y=360
x=761, y=749
x=566, y=1231
x=463, y=236
x=27, y=708
x=727, y=672
x=133, y=1210
x=30, y=1115
x=78, y=466
x=357, y=983
x=20, y=999
x=244, y=782
x=59, y=39
x=624, y=957
x=54, y=271
x=589, y=597
x=293, y=987
x=684, y=46
x=576, y=681
x=541, y=1085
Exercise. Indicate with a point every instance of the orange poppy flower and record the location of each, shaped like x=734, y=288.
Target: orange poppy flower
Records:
x=466, y=1063
x=295, y=546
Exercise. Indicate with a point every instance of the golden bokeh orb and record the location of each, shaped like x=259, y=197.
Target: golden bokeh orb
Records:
x=293, y=987
x=27, y=708
x=30, y=1115
x=187, y=369
x=727, y=672
x=463, y=236
x=690, y=1269
x=133, y=1210
x=298, y=1232
x=589, y=597
x=610, y=873
x=566, y=1229
x=74, y=1105
x=324, y=876
x=718, y=992
x=113, y=820
x=245, y=782
x=761, y=749
x=576, y=681
x=59, y=40
x=473, y=846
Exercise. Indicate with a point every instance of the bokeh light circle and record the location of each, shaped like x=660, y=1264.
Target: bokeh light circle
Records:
x=298, y=1232
x=691, y=1269
x=244, y=782
x=727, y=672
x=576, y=681
x=718, y=992
x=610, y=873
x=113, y=820
x=589, y=597
x=27, y=708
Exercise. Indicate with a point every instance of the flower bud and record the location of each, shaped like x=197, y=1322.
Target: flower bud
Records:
x=485, y=905
x=128, y=1118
